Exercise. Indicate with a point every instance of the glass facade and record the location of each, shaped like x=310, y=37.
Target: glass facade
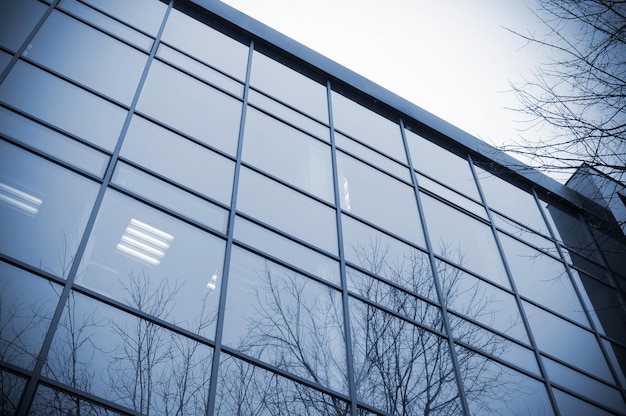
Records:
x=194, y=221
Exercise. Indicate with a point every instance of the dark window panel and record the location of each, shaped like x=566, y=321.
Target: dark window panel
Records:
x=400, y=368
x=570, y=405
x=191, y=106
x=11, y=387
x=154, y=263
x=244, y=389
x=617, y=356
x=5, y=58
x=17, y=20
x=287, y=210
x=135, y=363
x=63, y=105
x=179, y=159
x=285, y=319
x=51, y=402
x=146, y=15
x=43, y=210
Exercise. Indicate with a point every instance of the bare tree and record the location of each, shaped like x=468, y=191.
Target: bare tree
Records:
x=581, y=92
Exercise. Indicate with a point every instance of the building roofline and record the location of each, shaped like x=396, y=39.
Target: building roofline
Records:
x=337, y=72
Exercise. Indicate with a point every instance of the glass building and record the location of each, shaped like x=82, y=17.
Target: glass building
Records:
x=200, y=216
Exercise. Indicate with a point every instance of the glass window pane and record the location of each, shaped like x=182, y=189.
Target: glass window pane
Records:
x=48, y=141
x=170, y=197
x=206, y=73
x=584, y=385
x=101, y=350
x=5, y=58
x=378, y=198
x=403, y=369
x=570, y=405
x=288, y=210
x=441, y=165
x=581, y=349
x=368, y=127
x=542, y=279
x=387, y=257
x=106, y=65
x=146, y=15
x=458, y=199
x=617, y=356
x=150, y=261
x=481, y=301
x=463, y=240
x=43, y=210
x=179, y=159
x=285, y=319
x=206, y=44
x=511, y=201
x=63, y=105
x=17, y=20
x=27, y=303
x=287, y=250
x=244, y=389
x=11, y=387
x=289, y=86
x=525, y=234
x=288, y=154
x=494, y=389
x=191, y=106
x=53, y=402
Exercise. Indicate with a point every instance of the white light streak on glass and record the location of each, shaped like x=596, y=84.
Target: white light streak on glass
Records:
x=346, y=193
x=144, y=242
x=23, y=201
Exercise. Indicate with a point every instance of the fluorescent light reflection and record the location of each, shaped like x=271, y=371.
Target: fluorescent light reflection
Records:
x=212, y=284
x=25, y=202
x=346, y=193
x=144, y=242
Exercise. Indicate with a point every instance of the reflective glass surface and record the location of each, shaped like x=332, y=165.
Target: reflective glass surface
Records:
x=463, y=240
x=401, y=368
x=285, y=319
x=26, y=307
x=287, y=210
x=54, y=402
x=128, y=360
x=153, y=263
x=378, y=198
x=542, y=278
x=43, y=210
x=494, y=389
x=17, y=20
x=179, y=159
x=52, y=143
x=146, y=15
x=289, y=86
x=581, y=350
x=457, y=199
x=441, y=165
x=570, y=405
x=525, y=234
x=368, y=127
x=288, y=153
x=206, y=44
x=376, y=252
x=173, y=198
x=5, y=58
x=244, y=389
x=106, y=65
x=287, y=250
x=191, y=106
x=11, y=387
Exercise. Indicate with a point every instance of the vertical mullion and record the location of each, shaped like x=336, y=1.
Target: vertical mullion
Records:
x=433, y=266
x=518, y=299
x=229, y=243
x=29, y=391
x=342, y=261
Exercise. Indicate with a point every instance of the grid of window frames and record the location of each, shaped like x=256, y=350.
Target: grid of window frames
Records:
x=192, y=225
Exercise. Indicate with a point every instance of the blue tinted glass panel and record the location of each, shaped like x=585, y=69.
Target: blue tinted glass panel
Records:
x=62, y=104
x=48, y=400
x=5, y=58
x=179, y=159
x=455, y=198
x=289, y=86
x=378, y=198
x=285, y=319
x=525, y=234
x=368, y=127
x=463, y=240
x=191, y=106
x=206, y=44
x=154, y=263
x=11, y=387
x=288, y=210
x=27, y=303
x=43, y=210
x=50, y=142
x=570, y=405
x=146, y=15
x=17, y=20
x=106, y=65
x=288, y=153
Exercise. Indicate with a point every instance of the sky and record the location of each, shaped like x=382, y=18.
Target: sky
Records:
x=453, y=58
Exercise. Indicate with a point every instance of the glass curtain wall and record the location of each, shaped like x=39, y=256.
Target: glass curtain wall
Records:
x=191, y=223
